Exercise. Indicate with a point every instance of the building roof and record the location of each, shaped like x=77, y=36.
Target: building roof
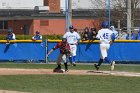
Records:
x=9, y=14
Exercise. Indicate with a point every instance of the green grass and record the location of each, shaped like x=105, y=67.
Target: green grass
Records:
x=70, y=83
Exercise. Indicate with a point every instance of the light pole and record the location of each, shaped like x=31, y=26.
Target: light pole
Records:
x=69, y=12
x=66, y=14
x=129, y=18
x=108, y=13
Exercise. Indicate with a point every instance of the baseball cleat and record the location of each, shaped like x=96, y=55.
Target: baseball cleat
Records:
x=96, y=66
x=58, y=69
x=66, y=70
x=73, y=64
x=112, y=65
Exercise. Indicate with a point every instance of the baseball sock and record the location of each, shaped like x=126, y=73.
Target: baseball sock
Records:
x=74, y=59
x=66, y=66
x=70, y=58
x=59, y=66
x=100, y=62
x=107, y=60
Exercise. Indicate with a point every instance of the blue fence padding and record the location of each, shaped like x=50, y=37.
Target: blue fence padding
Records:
x=86, y=52
x=53, y=56
x=89, y=52
x=23, y=51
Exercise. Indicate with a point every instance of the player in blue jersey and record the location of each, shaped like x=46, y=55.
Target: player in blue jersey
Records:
x=106, y=37
x=10, y=35
x=37, y=36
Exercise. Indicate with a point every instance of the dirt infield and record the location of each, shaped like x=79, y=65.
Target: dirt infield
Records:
x=8, y=91
x=15, y=71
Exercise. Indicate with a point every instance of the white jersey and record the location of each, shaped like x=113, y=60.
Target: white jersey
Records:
x=104, y=35
x=72, y=37
x=114, y=32
x=14, y=36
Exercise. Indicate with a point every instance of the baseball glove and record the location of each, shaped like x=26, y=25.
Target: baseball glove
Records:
x=67, y=51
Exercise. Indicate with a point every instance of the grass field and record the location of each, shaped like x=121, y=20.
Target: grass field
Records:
x=70, y=83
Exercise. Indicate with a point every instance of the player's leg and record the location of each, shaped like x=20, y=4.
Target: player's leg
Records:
x=70, y=57
x=58, y=68
x=105, y=55
x=59, y=60
x=99, y=64
x=112, y=63
x=73, y=54
x=102, y=49
x=64, y=59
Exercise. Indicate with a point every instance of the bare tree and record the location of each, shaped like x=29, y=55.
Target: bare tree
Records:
x=135, y=5
x=118, y=9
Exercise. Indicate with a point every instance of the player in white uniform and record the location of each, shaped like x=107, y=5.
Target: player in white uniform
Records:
x=72, y=38
x=114, y=31
x=106, y=37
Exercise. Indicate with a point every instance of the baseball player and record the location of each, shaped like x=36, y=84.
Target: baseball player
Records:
x=72, y=38
x=37, y=36
x=10, y=36
x=64, y=54
x=114, y=31
x=106, y=37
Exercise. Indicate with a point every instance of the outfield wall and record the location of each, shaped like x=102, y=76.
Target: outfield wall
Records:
x=126, y=51
x=121, y=50
x=22, y=50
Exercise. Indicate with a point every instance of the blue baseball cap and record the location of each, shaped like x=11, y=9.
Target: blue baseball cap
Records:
x=37, y=32
x=71, y=27
x=104, y=24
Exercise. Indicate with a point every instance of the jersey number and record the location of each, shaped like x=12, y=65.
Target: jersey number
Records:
x=106, y=35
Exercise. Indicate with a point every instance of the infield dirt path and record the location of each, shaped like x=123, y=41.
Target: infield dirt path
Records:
x=15, y=71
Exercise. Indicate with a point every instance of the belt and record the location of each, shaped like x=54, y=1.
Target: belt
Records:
x=72, y=44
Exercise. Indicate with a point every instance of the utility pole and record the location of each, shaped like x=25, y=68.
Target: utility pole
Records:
x=129, y=18
x=119, y=27
x=69, y=12
x=66, y=12
x=108, y=13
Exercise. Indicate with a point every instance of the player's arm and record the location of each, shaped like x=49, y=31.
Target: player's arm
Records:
x=13, y=37
x=65, y=35
x=78, y=39
x=40, y=37
x=50, y=51
x=98, y=36
x=112, y=38
x=8, y=39
x=56, y=47
x=116, y=35
x=33, y=38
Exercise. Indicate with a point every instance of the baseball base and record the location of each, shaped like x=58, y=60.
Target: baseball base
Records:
x=59, y=70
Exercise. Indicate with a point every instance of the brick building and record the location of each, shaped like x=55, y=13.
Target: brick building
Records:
x=26, y=21
x=28, y=16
